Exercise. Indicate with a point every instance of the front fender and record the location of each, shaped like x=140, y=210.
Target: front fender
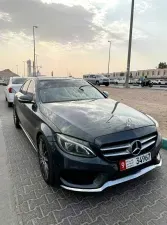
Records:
x=47, y=132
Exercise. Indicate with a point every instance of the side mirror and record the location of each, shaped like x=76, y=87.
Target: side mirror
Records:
x=25, y=98
x=105, y=93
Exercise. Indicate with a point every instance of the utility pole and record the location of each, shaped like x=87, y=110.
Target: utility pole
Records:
x=24, y=68
x=130, y=45
x=34, y=64
x=109, y=58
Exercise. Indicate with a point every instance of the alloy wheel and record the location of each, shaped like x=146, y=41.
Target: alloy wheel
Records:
x=43, y=159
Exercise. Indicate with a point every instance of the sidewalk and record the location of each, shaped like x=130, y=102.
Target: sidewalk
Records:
x=7, y=214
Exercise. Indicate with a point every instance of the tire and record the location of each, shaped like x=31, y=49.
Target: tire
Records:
x=10, y=104
x=97, y=83
x=16, y=118
x=107, y=85
x=46, y=161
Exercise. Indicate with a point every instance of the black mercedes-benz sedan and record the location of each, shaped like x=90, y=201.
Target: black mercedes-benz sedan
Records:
x=85, y=141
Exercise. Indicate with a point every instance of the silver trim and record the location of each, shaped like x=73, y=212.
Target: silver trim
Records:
x=117, y=154
x=147, y=139
x=147, y=145
x=115, y=148
x=27, y=135
x=118, y=181
x=125, y=151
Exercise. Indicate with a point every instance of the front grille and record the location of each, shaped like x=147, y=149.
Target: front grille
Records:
x=119, y=150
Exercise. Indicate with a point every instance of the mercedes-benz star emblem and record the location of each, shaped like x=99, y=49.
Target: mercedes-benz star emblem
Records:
x=135, y=148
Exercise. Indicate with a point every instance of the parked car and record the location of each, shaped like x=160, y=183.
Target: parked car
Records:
x=13, y=87
x=2, y=82
x=85, y=141
x=155, y=82
x=97, y=79
x=121, y=81
x=136, y=81
x=161, y=82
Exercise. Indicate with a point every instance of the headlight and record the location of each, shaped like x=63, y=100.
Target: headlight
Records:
x=74, y=146
x=156, y=123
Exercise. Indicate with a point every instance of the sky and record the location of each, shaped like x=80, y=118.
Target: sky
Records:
x=72, y=35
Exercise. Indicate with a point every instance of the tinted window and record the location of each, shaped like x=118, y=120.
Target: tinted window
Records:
x=67, y=90
x=25, y=87
x=31, y=88
x=18, y=80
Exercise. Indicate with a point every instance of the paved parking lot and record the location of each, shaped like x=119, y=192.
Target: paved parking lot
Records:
x=32, y=202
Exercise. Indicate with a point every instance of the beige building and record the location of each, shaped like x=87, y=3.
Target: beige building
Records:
x=150, y=73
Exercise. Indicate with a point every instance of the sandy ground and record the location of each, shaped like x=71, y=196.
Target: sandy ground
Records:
x=152, y=102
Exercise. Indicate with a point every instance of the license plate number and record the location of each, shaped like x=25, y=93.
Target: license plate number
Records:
x=133, y=162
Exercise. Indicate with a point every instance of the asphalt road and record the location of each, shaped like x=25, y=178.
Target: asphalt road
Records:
x=30, y=201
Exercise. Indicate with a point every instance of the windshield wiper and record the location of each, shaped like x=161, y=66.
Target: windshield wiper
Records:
x=84, y=86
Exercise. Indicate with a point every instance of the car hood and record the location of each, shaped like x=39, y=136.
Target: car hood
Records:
x=93, y=118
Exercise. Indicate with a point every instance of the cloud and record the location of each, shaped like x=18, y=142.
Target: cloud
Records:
x=64, y=22
x=57, y=22
x=143, y=6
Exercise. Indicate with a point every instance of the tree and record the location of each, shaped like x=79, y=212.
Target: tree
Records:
x=162, y=65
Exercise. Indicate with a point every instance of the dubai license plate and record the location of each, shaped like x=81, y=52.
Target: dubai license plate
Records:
x=133, y=162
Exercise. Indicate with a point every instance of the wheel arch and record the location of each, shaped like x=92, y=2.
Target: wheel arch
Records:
x=46, y=131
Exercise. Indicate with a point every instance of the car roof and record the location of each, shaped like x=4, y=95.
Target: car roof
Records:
x=17, y=77
x=55, y=78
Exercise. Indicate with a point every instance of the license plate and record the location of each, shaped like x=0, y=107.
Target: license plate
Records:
x=133, y=162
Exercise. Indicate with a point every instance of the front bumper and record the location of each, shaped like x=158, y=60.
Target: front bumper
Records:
x=117, y=181
x=96, y=174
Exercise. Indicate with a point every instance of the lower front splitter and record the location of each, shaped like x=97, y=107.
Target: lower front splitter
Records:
x=117, y=181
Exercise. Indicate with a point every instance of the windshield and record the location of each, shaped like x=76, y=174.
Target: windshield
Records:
x=101, y=76
x=67, y=90
x=18, y=80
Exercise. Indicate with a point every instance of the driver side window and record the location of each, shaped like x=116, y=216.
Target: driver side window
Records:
x=31, y=88
x=24, y=88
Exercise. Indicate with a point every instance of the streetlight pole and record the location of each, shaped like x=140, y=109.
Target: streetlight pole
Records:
x=34, y=65
x=109, y=58
x=36, y=61
x=24, y=67
x=130, y=45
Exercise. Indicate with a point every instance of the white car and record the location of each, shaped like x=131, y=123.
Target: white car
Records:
x=155, y=81
x=13, y=87
x=161, y=82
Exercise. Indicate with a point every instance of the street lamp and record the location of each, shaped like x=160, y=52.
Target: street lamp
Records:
x=24, y=67
x=109, y=58
x=36, y=61
x=130, y=45
x=34, y=65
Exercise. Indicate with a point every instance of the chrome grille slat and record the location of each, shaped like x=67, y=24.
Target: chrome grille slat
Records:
x=147, y=145
x=117, y=154
x=122, y=150
x=115, y=147
x=147, y=139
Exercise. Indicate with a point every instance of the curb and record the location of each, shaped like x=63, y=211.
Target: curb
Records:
x=164, y=143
